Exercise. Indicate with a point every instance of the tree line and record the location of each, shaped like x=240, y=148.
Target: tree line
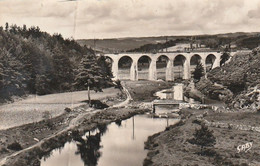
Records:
x=35, y=62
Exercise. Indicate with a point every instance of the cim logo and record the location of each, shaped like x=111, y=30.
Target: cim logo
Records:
x=245, y=147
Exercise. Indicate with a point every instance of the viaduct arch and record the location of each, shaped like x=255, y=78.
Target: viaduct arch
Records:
x=176, y=64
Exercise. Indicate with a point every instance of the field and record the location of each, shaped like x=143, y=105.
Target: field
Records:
x=33, y=108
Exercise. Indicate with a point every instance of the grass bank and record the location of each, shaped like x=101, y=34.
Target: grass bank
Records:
x=171, y=147
x=142, y=91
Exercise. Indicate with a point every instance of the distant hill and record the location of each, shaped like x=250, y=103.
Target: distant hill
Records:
x=123, y=44
x=241, y=39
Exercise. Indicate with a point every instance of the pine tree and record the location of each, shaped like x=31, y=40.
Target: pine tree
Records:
x=198, y=72
x=203, y=137
x=63, y=75
x=42, y=84
x=224, y=57
x=6, y=27
x=106, y=70
x=89, y=75
x=10, y=72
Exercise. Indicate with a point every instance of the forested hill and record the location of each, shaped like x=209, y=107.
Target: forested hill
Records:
x=157, y=47
x=242, y=40
x=35, y=62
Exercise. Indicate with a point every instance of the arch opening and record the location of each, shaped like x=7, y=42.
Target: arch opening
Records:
x=143, y=67
x=210, y=60
x=124, y=67
x=161, y=66
x=178, y=64
x=194, y=61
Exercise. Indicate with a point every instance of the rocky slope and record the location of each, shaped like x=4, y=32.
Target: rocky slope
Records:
x=237, y=82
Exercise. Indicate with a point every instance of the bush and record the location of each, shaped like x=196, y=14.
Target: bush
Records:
x=14, y=146
x=67, y=110
x=203, y=137
x=46, y=115
x=98, y=104
x=198, y=72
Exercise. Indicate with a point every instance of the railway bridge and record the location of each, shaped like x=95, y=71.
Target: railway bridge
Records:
x=161, y=65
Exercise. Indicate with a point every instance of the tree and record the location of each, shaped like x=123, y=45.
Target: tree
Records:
x=224, y=57
x=63, y=75
x=6, y=27
x=42, y=84
x=10, y=73
x=106, y=70
x=203, y=137
x=89, y=75
x=198, y=72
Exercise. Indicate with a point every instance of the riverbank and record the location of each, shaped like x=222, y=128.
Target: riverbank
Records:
x=39, y=138
x=32, y=155
x=171, y=147
x=24, y=139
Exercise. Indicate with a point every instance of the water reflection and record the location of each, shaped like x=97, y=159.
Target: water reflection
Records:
x=114, y=145
x=118, y=122
x=88, y=148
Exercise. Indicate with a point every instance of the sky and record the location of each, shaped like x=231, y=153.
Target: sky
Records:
x=88, y=19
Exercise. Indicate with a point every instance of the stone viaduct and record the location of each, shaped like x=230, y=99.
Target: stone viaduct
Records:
x=170, y=56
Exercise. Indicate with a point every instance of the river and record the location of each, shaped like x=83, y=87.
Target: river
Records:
x=116, y=144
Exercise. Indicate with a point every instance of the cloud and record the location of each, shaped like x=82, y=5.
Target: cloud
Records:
x=254, y=13
x=117, y=18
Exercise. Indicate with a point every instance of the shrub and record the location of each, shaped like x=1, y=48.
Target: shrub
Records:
x=46, y=115
x=203, y=137
x=67, y=110
x=14, y=146
x=98, y=104
x=198, y=72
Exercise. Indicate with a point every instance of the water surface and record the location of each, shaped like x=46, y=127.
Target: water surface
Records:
x=120, y=144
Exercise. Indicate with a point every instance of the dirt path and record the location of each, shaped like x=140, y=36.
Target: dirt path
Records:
x=128, y=99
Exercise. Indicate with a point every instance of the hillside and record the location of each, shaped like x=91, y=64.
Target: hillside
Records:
x=35, y=62
x=241, y=39
x=237, y=82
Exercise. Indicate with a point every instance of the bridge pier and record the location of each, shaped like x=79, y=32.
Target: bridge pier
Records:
x=169, y=71
x=152, y=70
x=186, y=72
x=134, y=71
x=115, y=69
x=216, y=62
x=203, y=62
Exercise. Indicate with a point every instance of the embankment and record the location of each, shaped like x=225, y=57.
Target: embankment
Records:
x=171, y=147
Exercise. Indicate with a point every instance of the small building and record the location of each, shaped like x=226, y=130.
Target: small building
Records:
x=178, y=92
